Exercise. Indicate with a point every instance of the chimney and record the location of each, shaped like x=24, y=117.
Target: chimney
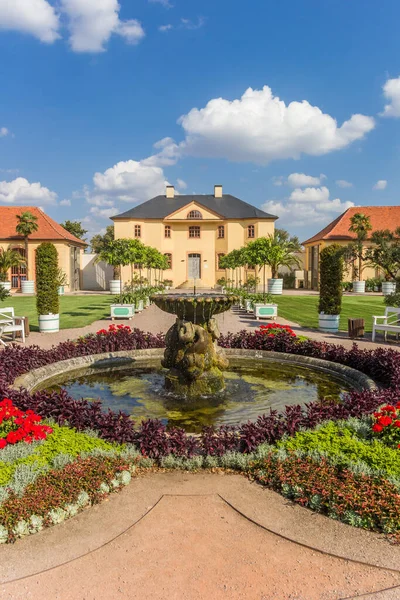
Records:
x=170, y=191
x=217, y=191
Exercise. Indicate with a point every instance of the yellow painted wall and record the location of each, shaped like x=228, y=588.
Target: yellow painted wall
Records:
x=180, y=245
x=368, y=272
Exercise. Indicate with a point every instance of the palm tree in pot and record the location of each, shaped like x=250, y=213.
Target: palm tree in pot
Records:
x=27, y=224
x=360, y=224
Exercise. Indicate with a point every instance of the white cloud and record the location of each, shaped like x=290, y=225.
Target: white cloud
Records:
x=165, y=28
x=182, y=185
x=21, y=191
x=259, y=127
x=380, y=185
x=303, y=214
x=92, y=22
x=302, y=180
x=165, y=3
x=310, y=195
x=4, y=132
x=189, y=24
x=169, y=154
x=35, y=17
x=391, y=91
x=343, y=183
x=65, y=203
x=278, y=181
x=103, y=213
x=131, y=31
x=129, y=181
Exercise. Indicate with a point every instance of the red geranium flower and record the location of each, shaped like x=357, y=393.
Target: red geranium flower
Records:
x=377, y=428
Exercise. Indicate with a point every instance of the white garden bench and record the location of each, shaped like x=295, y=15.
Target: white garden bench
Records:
x=10, y=323
x=389, y=322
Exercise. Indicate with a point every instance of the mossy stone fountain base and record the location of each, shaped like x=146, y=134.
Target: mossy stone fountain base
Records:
x=194, y=360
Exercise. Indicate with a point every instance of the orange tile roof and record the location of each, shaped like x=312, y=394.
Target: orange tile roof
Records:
x=48, y=228
x=382, y=217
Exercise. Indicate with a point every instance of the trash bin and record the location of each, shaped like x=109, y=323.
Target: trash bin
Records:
x=356, y=328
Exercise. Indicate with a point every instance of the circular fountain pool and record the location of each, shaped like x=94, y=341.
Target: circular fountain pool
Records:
x=252, y=388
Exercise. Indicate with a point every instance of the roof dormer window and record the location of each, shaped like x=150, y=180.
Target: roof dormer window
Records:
x=195, y=214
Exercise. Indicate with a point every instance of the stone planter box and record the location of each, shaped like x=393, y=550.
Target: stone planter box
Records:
x=249, y=306
x=122, y=311
x=275, y=286
x=359, y=287
x=28, y=287
x=6, y=285
x=388, y=287
x=115, y=286
x=265, y=311
x=329, y=323
x=49, y=323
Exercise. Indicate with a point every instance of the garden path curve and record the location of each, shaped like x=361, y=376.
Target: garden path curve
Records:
x=182, y=536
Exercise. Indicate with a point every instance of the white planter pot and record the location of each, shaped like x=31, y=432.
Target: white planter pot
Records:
x=146, y=302
x=329, y=323
x=275, y=286
x=388, y=287
x=359, y=287
x=49, y=323
x=265, y=311
x=115, y=286
x=249, y=306
x=122, y=311
x=61, y=290
x=139, y=306
x=28, y=287
x=6, y=285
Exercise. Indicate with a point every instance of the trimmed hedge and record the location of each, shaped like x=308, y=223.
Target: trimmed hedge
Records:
x=47, y=300
x=331, y=277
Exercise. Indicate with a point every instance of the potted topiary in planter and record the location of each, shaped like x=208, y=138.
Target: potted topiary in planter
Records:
x=47, y=301
x=124, y=306
x=263, y=306
x=8, y=259
x=330, y=288
x=168, y=283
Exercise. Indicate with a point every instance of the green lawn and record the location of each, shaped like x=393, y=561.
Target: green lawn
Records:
x=303, y=309
x=75, y=311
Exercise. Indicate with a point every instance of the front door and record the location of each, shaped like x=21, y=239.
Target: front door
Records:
x=194, y=271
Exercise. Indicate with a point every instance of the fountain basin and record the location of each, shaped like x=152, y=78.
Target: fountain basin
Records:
x=255, y=382
x=196, y=308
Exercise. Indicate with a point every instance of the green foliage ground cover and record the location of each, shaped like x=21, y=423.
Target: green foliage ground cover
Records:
x=41, y=455
x=347, y=444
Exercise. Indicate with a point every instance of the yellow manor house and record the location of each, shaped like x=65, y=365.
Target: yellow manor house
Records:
x=194, y=232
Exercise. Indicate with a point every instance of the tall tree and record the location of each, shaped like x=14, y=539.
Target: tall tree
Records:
x=27, y=224
x=75, y=227
x=360, y=224
x=99, y=242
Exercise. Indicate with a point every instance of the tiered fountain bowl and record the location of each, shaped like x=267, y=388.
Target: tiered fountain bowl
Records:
x=194, y=360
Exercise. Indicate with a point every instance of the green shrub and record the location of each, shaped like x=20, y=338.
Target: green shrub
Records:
x=342, y=446
x=47, y=274
x=331, y=277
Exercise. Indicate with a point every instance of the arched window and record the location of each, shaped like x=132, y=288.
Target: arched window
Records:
x=168, y=256
x=195, y=214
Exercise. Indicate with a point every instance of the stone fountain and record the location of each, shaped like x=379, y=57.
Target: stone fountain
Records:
x=194, y=360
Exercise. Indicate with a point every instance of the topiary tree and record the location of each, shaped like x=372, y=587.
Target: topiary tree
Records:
x=47, y=300
x=360, y=224
x=331, y=276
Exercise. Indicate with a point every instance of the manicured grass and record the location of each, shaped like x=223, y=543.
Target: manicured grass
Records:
x=75, y=311
x=303, y=309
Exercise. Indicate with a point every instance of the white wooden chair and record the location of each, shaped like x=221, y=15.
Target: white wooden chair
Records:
x=10, y=323
x=389, y=322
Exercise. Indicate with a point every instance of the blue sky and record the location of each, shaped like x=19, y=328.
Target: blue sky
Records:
x=102, y=103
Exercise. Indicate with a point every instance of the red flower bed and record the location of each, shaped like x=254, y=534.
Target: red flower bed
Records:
x=361, y=500
x=273, y=329
x=386, y=424
x=17, y=425
x=114, y=329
